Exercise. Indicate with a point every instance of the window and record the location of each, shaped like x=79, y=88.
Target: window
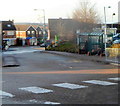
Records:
x=28, y=32
x=3, y=33
x=44, y=32
x=33, y=32
x=8, y=25
x=40, y=32
x=10, y=32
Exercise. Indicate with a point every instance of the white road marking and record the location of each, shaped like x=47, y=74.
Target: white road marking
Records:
x=19, y=52
x=5, y=94
x=36, y=90
x=70, y=86
x=52, y=103
x=99, y=82
x=33, y=101
x=2, y=81
x=116, y=79
x=42, y=102
x=70, y=67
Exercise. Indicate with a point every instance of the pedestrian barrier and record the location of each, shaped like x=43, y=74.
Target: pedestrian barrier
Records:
x=113, y=54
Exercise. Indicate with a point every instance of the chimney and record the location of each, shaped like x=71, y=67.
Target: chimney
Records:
x=13, y=20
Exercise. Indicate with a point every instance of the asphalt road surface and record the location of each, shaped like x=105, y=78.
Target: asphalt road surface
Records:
x=44, y=78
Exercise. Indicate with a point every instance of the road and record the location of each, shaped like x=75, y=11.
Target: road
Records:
x=44, y=78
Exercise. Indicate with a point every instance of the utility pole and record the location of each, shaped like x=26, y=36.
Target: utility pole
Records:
x=112, y=19
x=105, y=31
x=44, y=20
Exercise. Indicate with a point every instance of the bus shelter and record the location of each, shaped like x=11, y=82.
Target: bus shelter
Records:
x=95, y=41
x=83, y=42
x=90, y=41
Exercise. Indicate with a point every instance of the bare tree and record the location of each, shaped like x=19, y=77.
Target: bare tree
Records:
x=86, y=12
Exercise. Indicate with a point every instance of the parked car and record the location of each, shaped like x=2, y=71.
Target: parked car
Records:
x=116, y=37
x=45, y=44
x=5, y=46
x=42, y=45
x=116, y=41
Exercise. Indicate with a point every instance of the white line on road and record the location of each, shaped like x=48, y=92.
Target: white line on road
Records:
x=2, y=81
x=70, y=86
x=99, y=82
x=36, y=90
x=5, y=94
x=33, y=101
x=52, y=103
x=42, y=102
x=116, y=79
x=22, y=51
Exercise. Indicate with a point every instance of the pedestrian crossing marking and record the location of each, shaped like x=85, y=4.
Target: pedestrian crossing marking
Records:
x=116, y=79
x=36, y=90
x=70, y=86
x=5, y=94
x=99, y=82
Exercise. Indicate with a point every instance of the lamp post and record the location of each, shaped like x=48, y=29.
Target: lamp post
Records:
x=112, y=19
x=43, y=18
x=105, y=30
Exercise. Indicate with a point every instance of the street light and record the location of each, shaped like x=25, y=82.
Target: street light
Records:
x=105, y=29
x=43, y=17
x=112, y=19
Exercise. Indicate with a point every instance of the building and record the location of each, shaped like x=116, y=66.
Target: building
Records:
x=26, y=35
x=39, y=33
x=9, y=32
x=29, y=34
x=117, y=24
x=21, y=31
x=66, y=28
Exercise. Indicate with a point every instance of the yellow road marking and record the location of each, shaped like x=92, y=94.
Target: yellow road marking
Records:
x=96, y=71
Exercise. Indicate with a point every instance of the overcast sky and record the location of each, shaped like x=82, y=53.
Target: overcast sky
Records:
x=23, y=10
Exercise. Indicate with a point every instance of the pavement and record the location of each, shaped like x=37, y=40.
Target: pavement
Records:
x=85, y=57
x=10, y=60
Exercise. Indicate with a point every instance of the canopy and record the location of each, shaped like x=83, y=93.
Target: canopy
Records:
x=96, y=33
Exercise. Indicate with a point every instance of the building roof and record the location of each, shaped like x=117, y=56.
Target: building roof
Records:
x=38, y=29
x=8, y=25
x=96, y=33
x=21, y=27
x=24, y=27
